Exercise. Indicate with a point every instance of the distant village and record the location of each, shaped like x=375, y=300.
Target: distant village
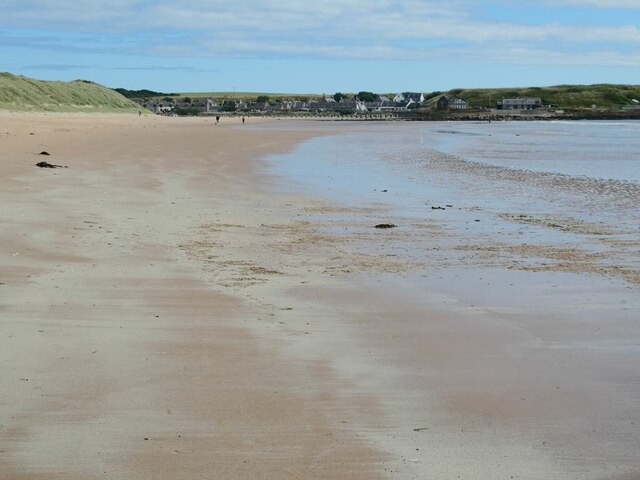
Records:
x=364, y=103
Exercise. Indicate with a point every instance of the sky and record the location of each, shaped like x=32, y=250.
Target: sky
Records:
x=322, y=46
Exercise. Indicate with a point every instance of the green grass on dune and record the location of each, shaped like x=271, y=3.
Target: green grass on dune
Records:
x=23, y=94
x=563, y=96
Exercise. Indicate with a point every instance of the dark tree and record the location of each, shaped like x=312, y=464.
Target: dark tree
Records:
x=229, y=106
x=367, y=96
x=138, y=93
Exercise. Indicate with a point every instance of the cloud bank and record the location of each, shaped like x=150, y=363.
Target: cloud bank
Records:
x=492, y=31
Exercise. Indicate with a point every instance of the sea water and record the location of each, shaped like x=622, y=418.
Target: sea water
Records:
x=597, y=149
x=500, y=164
x=562, y=184
x=538, y=236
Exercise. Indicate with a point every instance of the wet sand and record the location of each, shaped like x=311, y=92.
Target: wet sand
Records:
x=165, y=314
x=118, y=360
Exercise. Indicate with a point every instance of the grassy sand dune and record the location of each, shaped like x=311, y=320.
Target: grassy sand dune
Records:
x=23, y=94
x=564, y=96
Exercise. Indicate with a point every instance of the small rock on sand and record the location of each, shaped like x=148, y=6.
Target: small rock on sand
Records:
x=49, y=165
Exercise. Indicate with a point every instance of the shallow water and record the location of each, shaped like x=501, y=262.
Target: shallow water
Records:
x=596, y=149
x=357, y=161
x=514, y=305
x=529, y=186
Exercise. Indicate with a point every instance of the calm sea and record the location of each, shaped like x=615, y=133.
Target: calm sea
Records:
x=569, y=184
x=527, y=227
x=496, y=164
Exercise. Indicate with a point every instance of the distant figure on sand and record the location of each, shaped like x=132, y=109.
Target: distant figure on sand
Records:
x=217, y=119
x=243, y=120
x=139, y=113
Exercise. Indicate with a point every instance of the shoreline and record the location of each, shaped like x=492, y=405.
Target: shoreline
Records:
x=172, y=308
x=488, y=346
x=364, y=118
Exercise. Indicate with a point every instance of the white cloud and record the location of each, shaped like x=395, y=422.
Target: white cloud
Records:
x=368, y=29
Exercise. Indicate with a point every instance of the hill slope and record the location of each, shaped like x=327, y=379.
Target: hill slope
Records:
x=563, y=96
x=18, y=93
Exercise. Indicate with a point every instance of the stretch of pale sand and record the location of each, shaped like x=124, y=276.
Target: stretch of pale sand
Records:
x=166, y=315
x=117, y=360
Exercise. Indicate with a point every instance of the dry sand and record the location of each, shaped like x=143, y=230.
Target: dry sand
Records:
x=164, y=315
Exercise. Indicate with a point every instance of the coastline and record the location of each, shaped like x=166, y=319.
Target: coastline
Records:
x=451, y=116
x=502, y=360
x=170, y=315
x=467, y=115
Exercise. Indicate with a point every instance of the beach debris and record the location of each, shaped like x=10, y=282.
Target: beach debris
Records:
x=44, y=152
x=437, y=207
x=49, y=165
x=385, y=225
x=420, y=429
x=384, y=191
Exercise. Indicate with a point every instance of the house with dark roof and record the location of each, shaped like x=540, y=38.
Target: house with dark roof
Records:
x=451, y=102
x=212, y=106
x=519, y=104
x=382, y=107
x=160, y=107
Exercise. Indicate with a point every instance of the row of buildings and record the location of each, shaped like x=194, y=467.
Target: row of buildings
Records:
x=402, y=102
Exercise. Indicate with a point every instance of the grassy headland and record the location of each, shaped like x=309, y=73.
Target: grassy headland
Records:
x=23, y=94
x=570, y=97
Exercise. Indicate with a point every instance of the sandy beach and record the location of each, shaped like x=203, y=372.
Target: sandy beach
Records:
x=166, y=313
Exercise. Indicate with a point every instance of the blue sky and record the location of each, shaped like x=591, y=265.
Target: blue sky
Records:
x=322, y=46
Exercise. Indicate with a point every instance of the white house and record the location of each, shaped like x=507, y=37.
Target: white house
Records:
x=361, y=107
x=406, y=96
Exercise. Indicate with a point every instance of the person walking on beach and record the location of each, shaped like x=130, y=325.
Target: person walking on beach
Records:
x=243, y=120
x=217, y=119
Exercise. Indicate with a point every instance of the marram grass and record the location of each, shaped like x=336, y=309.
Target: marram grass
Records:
x=23, y=94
